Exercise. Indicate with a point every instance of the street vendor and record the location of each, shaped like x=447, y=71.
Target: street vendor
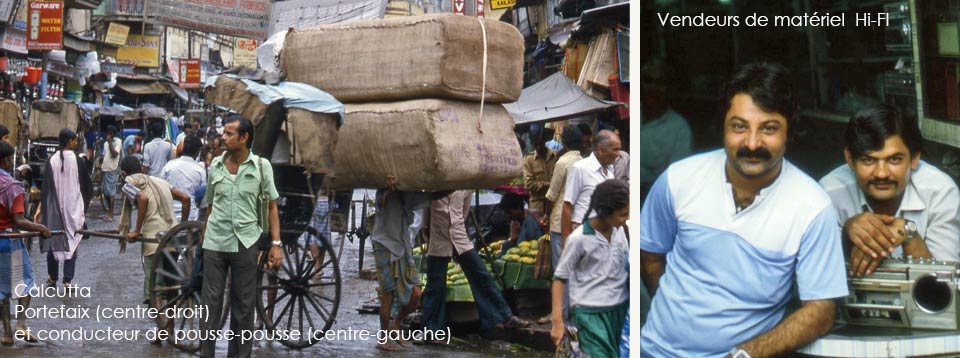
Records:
x=16, y=275
x=889, y=201
x=524, y=223
x=152, y=197
x=726, y=234
x=594, y=266
x=392, y=249
x=448, y=238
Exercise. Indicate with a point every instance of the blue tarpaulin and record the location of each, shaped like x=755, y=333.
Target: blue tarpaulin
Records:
x=293, y=95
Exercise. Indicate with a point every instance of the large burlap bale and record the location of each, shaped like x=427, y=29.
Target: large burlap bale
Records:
x=48, y=117
x=12, y=117
x=426, y=145
x=313, y=137
x=233, y=94
x=430, y=56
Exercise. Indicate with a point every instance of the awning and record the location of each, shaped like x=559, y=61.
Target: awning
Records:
x=553, y=99
x=143, y=88
x=180, y=92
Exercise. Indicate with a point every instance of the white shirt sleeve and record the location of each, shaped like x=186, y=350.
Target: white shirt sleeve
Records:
x=574, y=182
x=942, y=235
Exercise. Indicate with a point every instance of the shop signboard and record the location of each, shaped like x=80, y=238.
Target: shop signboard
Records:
x=62, y=69
x=14, y=40
x=308, y=13
x=140, y=50
x=245, y=53
x=502, y=4
x=189, y=73
x=117, y=34
x=44, y=25
x=458, y=6
x=240, y=18
x=116, y=68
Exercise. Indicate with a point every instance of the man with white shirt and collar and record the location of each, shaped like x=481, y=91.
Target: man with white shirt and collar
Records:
x=725, y=235
x=889, y=201
x=583, y=177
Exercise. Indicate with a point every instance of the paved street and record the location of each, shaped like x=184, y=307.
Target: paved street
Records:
x=115, y=282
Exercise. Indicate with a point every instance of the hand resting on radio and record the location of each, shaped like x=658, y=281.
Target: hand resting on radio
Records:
x=871, y=234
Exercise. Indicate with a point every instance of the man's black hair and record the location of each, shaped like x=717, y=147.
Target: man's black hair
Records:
x=769, y=85
x=4, y=130
x=156, y=129
x=130, y=165
x=111, y=129
x=585, y=129
x=572, y=137
x=608, y=197
x=244, y=126
x=868, y=130
x=6, y=150
x=191, y=146
x=511, y=201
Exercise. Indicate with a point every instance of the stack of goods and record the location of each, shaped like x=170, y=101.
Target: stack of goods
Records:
x=518, y=265
x=525, y=253
x=493, y=249
x=412, y=88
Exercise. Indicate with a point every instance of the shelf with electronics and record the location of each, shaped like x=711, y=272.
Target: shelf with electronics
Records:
x=912, y=62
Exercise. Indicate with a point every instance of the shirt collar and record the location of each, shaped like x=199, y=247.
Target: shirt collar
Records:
x=219, y=161
x=594, y=164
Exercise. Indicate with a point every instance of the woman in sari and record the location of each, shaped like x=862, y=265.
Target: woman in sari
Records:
x=62, y=208
x=16, y=273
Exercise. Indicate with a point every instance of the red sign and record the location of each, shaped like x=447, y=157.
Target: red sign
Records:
x=189, y=74
x=44, y=25
x=480, y=8
x=458, y=6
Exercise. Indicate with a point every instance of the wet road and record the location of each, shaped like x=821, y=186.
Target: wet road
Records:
x=115, y=281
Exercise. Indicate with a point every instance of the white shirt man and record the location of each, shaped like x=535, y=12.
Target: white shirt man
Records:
x=582, y=179
x=156, y=154
x=188, y=175
x=931, y=200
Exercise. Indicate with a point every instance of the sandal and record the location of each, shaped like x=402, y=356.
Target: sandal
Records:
x=6, y=341
x=514, y=322
x=51, y=282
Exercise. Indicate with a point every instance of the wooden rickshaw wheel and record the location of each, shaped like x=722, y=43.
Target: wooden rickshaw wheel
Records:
x=306, y=299
x=174, y=265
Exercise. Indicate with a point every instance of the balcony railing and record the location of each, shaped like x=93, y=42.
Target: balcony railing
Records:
x=122, y=7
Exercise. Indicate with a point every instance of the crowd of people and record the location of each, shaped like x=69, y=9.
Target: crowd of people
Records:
x=577, y=193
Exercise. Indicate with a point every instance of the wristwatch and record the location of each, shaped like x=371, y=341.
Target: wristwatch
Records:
x=277, y=243
x=910, y=228
x=736, y=352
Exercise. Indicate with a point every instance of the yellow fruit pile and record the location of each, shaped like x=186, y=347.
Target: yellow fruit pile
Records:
x=493, y=249
x=455, y=275
x=420, y=250
x=525, y=253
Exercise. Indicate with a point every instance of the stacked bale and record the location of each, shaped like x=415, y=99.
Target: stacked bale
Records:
x=412, y=88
